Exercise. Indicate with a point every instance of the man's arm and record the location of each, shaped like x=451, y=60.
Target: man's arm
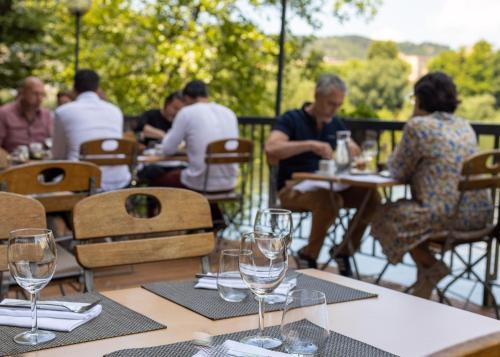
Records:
x=171, y=142
x=151, y=132
x=279, y=147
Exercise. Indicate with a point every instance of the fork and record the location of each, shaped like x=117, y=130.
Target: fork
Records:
x=46, y=306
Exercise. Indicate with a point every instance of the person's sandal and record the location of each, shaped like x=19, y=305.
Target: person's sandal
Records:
x=304, y=261
x=429, y=278
x=343, y=263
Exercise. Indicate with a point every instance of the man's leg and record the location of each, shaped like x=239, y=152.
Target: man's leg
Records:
x=324, y=207
x=353, y=198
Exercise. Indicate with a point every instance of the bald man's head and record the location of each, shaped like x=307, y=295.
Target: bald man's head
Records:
x=31, y=93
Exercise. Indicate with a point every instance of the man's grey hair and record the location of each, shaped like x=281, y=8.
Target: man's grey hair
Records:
x=328, y=82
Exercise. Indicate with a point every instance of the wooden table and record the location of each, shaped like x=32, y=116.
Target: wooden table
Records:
x=398, y=323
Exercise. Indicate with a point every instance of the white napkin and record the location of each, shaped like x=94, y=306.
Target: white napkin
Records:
x=55, y=320
x=211, y=283
x=314, y=185
x=237, y=349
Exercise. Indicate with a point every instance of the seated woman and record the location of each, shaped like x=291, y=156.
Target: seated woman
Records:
x=429, y=158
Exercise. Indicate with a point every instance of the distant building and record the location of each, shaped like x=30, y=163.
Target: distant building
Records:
x=418, y=65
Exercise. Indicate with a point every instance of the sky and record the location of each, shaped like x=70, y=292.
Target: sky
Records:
x=455, y=23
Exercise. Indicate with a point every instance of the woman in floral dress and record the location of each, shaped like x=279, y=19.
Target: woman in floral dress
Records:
x=429, y=158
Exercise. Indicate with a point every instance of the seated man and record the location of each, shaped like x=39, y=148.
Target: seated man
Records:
x=197, y=124
x=24, y=121
x=89, y=118
x=154, y=123
x=299, y=140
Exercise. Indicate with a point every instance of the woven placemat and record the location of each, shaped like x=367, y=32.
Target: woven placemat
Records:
x=209, y=304
x=337, y=345
x=114, y=320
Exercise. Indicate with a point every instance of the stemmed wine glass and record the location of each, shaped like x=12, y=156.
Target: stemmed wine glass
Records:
x=263, y=263
x=276, y=223
x=31, y=255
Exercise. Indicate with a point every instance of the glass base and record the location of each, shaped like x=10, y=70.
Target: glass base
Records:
x=262, y=341
x=272, y=299
x=302, y=349
x=32, y=339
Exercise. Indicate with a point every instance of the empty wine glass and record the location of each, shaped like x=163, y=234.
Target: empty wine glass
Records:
x=304, y=326
x=31, y=255
x=274, y=222
x=262, y=275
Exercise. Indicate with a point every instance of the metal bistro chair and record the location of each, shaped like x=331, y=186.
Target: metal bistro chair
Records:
x=111, y=152
x=181, y=227
x=479, y=172
x=228, y=152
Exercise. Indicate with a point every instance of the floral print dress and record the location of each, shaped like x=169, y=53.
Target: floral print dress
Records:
x=429, y=158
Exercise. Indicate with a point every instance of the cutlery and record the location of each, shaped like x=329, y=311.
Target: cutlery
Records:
x=52, y=306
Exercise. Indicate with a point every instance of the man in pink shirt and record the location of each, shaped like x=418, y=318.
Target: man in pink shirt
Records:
x=24, y=121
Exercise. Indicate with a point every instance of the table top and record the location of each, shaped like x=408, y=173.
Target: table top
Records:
x=395, y=322
x=359, y=180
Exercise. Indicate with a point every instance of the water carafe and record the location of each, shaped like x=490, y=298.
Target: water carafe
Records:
x=342, y=153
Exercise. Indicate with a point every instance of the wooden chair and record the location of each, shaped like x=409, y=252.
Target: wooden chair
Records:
x=111, y=152
x=480, y=172
x=18, y=211
x=484, y=346
x=4, y=159
x=229, y=152
x=69, y=182
x=181, y=229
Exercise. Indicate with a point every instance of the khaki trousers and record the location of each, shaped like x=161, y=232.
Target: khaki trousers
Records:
x=324, y=206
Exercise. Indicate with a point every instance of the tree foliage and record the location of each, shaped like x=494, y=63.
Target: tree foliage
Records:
x=475, y=71
x=383, y=50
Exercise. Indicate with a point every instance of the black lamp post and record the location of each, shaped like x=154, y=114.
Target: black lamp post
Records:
x=78, y=8
x=281, y=60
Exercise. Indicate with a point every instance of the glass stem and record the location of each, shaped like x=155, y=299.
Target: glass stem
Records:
x=261, y=315
x=34, y=320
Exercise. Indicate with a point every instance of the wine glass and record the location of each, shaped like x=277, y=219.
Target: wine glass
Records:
x=369, y=152
x=31, y=255
x=274, y=222
x=263, y=264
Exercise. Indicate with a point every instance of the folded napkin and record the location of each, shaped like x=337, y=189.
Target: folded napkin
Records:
x=237, y=349
x=211, y=283
x=55, y=320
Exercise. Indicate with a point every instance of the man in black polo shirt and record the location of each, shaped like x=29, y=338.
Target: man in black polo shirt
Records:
x=154, y=123
x=299, y=140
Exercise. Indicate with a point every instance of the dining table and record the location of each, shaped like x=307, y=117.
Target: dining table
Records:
x=395, y=322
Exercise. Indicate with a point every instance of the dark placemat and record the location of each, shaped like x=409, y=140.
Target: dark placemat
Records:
x=209, y=304
x=337, y=345
x=115, y=320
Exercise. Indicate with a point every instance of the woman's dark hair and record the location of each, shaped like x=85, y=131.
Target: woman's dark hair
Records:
x=171, y=97
x=195, y=89
x=86, y=80
x=436, y=92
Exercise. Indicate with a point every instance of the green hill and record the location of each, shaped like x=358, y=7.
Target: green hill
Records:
x=350, y=47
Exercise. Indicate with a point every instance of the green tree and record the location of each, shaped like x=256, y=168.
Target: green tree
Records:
x=378, y=83
x=472, y=70
x=478, y=108
x=383, y=50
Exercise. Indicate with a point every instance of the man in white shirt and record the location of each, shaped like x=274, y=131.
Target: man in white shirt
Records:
x=199, y=123
x=89, y=118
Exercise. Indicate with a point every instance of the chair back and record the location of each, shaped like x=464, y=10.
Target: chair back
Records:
x=4, y=159
x=481, y=171
x=484, y=346
x=58, y=185
x=180, y=228
x=110, y=152
x=226, y=152
x=16, y=212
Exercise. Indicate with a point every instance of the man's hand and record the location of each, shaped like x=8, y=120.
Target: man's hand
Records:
x=322, y=149
x=354, y=148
